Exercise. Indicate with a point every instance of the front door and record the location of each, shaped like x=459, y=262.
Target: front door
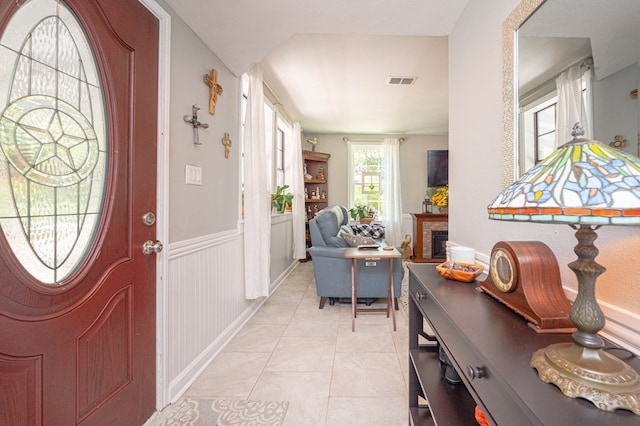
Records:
x=78, y=130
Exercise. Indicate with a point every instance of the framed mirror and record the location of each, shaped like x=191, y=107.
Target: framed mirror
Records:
x=543, y=40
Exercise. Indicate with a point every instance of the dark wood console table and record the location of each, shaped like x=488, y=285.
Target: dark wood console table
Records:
x=478, y=332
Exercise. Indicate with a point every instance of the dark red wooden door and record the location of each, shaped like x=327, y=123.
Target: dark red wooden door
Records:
x=81, y=350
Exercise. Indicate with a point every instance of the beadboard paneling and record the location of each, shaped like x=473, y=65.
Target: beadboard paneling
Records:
x=206, y=303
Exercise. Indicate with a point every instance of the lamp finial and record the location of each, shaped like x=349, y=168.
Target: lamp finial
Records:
x=578, y=130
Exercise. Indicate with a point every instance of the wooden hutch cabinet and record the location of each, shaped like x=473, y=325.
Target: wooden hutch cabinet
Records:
x=316, y=192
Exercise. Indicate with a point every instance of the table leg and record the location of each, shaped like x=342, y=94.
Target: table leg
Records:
x=353, y=294
x=391, y=301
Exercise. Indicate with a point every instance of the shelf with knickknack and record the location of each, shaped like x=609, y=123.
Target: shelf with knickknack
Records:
x=315, y=165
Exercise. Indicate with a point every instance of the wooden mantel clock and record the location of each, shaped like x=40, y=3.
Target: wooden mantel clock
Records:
x=524, y=275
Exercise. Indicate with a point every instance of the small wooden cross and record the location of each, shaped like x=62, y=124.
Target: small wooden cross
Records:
x=214, y=89
x=227, y=144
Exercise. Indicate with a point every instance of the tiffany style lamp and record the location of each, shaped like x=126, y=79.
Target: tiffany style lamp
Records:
x=584, y=184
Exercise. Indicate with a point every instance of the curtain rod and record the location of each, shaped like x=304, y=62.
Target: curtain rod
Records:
x=272, y=93
x=549, y=85
x=347, y=139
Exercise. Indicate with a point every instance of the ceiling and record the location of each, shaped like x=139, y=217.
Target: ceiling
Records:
x=328, y=61
x=563, y=32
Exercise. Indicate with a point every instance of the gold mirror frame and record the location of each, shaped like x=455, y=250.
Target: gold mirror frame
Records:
x=509, y=91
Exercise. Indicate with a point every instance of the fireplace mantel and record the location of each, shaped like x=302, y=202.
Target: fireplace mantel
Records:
x=426, y=227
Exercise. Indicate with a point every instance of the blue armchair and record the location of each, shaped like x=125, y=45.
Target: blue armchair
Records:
x=333, y=271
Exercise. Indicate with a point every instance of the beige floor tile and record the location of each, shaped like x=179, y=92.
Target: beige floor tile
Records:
x=285, y=299
x=231, y=374
x=387, y=362
x=307, y=412
x=366, y=338
x=256, y=338
x=402, y=349
x=303, y=354
x=368, y=412
x=292, y=386
x=310, y=303
x=372, y=318
x=292, y=351
x=367, y=375
x=273, y=314
x=320, y=324
x=297, y=283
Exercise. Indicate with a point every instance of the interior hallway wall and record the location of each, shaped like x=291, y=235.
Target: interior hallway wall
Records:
x=475, y=146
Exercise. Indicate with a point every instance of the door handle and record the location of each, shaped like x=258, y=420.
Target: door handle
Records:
x=150, y=247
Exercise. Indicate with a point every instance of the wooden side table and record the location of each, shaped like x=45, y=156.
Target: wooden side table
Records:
x=371, y=255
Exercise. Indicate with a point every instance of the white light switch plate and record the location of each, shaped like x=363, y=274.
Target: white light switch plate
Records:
x=193, y=175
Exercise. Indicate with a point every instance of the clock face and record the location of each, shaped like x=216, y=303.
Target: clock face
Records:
x=503, y=270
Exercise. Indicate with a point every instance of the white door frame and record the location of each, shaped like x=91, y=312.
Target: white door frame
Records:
x=162, y=205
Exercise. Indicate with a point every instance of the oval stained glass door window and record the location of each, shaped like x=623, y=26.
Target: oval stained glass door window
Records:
x=53, y=147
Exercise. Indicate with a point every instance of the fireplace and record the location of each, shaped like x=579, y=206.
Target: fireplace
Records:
x=431, y=234
x=439, y=244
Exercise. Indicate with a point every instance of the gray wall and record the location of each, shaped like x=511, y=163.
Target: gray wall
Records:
x=614, y=111
x=413, y=162
x=214, y=206
x=475, y=146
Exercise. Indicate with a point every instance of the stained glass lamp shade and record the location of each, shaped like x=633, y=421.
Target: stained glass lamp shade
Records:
x=585, y=184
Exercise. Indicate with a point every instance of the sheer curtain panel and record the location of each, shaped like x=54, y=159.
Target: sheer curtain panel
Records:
x=574, y=104
x=391, y=192
x=257, y=195
x=297, y=189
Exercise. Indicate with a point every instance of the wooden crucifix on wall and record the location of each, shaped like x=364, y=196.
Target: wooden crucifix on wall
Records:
x=227, y=144
x=214, y=89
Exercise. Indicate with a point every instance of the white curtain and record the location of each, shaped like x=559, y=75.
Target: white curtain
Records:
x=391, y=192
x=297, y=189
x=573, y=107
x=257, y=194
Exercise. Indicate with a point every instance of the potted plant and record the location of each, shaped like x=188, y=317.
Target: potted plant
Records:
x=360, y=213
x=280, y=199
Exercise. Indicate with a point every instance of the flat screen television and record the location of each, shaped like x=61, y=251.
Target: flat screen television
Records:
x=437, y=167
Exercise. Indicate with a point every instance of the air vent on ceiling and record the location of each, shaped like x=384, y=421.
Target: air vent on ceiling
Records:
x=401, y=80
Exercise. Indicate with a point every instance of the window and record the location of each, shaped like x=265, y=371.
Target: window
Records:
x=280, y=157
x=54, y=154
x=285, y=139
x=541, y=122
x=278, y=134
x=545, y=131
x=269, y=133
x=365, y=180
x=278, y=137
x=538, y=130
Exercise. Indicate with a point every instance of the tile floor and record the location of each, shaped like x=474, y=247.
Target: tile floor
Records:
x=293, y=351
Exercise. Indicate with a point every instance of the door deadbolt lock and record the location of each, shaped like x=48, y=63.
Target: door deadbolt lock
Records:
x=149, y=218
x=150, y=247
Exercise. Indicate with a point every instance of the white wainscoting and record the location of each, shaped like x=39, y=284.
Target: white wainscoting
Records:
x=206, y=304
x=205, y=301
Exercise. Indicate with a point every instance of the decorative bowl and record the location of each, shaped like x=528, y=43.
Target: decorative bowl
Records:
x=459, y=271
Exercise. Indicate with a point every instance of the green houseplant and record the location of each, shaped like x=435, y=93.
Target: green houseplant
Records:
x=360, y=213
x=281, y=199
